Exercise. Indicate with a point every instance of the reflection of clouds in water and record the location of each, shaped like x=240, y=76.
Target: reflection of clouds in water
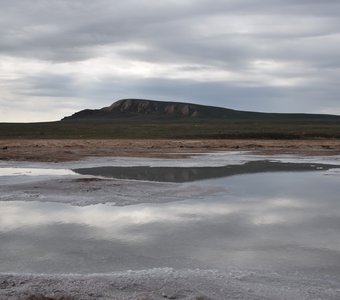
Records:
x=121, y=222
x=20, y=214
x=212, y=234
x=286, y=202
x=265, y=219
x=272, y=198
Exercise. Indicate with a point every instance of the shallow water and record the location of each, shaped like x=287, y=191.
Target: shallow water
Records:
x=189, y=174
x=283, y=220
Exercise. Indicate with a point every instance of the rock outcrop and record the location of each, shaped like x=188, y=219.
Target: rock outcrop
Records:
x=148, y=107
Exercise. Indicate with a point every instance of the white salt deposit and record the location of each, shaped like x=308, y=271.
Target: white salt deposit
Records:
x=203, y=160
x=167, y=283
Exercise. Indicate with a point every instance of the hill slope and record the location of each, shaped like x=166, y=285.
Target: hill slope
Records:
x=147, y=119
x=158, y=110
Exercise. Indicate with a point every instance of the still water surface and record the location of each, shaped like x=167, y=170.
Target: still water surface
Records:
x=284, y=220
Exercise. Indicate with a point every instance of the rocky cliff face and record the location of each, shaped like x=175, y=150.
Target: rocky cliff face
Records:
x=149, y=107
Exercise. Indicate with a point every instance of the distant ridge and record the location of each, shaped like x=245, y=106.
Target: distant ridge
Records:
x=142, y=109
x=150, y=119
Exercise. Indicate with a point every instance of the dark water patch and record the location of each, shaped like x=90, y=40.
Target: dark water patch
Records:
x=189, y=174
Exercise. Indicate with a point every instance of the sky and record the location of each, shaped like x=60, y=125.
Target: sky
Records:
x=61, y=56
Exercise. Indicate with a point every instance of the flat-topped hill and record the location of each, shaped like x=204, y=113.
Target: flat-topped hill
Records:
x=151, y=109
x=149, y=119
x=158, y=110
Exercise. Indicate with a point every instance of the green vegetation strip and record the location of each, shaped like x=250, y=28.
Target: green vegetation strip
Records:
x=171, y=130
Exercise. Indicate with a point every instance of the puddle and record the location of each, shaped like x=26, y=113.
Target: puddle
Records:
x=189, y=174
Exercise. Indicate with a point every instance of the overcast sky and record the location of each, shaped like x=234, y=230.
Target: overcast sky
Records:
x=61, y=56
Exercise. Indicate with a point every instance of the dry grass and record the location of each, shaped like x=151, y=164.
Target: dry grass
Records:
x=66, y=150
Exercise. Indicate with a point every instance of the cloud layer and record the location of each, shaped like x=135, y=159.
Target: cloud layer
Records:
x=59, y=56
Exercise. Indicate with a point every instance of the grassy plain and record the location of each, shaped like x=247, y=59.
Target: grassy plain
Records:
x=198, y=129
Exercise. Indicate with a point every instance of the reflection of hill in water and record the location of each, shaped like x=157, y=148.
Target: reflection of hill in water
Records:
x=187, y=174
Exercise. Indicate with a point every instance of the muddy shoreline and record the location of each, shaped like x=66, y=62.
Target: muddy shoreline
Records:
x=71, y=150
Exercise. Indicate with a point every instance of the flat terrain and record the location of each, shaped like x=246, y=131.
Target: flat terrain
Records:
x=57, y=150
x=125, y=128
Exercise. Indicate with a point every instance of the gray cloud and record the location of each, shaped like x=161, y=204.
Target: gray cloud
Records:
x=268, y=55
